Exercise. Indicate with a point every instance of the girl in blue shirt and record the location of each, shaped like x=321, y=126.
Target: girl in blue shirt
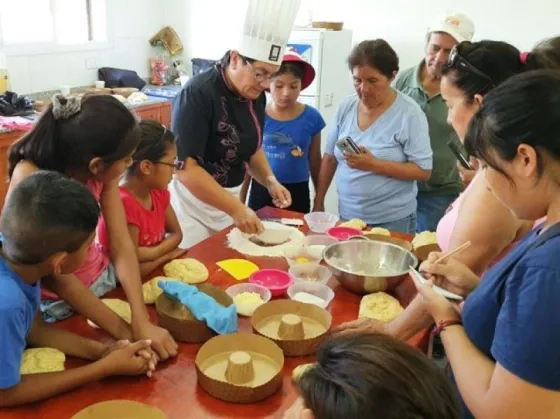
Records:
x=503, y=348
x=292, y=136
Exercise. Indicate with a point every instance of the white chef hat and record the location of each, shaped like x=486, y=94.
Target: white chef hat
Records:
x=267, y=28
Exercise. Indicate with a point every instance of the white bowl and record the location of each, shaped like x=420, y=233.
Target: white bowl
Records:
x=303, y=270
x=320, y=222
x=237, y=289
x=249, y=287
x=317, y=243
x=294, y=252
x=319, y=290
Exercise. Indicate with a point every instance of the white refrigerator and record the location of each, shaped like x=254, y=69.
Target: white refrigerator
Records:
x=327, y=51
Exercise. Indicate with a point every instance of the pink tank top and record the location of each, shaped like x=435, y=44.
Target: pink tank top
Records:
x=447, y=225
x=96, y=261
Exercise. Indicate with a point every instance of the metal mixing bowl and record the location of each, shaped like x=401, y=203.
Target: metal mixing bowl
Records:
x=366, y=266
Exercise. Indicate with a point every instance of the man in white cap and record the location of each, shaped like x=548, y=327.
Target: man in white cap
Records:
x=218, y=119
x=422, y=83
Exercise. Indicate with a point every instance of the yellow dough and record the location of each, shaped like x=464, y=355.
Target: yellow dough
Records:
x=151, y=290
x=380, y=306
x=189, y=270
x=424, y=239
x=354, y=223
x=240, y=269
x=299, y=370
x=120, y=307
x=380, y=231
x=40, y=360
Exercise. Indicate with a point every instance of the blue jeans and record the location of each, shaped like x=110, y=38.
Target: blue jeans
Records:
x=431, y=209
x=405, y=225
x=55, y=310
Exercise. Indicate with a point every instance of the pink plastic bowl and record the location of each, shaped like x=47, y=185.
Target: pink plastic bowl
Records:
x=343, y=233
x=275, y=280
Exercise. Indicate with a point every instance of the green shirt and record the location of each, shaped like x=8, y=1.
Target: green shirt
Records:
x=445, y=178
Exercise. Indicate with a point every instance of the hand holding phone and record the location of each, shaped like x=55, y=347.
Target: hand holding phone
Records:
x=460, y=156
x=347, y=145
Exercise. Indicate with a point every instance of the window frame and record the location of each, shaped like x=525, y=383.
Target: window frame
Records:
x=53, y=47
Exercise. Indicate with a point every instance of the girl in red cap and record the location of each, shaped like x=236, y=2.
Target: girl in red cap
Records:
x=292, y=136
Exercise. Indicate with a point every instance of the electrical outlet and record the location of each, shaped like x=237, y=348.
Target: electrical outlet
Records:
x=91, y=64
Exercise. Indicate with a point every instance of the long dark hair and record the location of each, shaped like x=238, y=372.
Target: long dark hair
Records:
x=497, y=60
x=545, y=55
x=103, y=127
x=371, y=375
x=523, y=110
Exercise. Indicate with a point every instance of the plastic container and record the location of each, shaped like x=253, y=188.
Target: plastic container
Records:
x=275, y=280
x=318, y=290
x=317, y=243
x=343, y=233
x=248, y=309
x=264, y=292
x=301, y=272
x=320, y=222
x=298, y=254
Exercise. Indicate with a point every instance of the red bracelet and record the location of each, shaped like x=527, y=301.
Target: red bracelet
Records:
x=440, y=327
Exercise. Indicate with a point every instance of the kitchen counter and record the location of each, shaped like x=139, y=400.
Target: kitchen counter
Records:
x=165, y=94
x=155, y=108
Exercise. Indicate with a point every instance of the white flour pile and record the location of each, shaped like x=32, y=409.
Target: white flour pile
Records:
x=240, y=241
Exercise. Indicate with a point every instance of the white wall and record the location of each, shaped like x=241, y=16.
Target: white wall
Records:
x=131, y=25
x=210, y=26
x=403, y=23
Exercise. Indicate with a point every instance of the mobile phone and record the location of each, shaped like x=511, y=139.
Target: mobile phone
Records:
x=347, y=145
x=460, y=156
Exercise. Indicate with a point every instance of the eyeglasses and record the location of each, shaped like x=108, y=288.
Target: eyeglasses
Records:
x=177, y=164
x=259, y=76
x=459, y=63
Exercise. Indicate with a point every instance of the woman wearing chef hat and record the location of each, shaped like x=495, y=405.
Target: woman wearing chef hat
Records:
x=292, y=135
x=218, y=119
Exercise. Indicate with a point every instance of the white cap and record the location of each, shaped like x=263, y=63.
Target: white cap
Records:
x=267, y=28
x=458, y=25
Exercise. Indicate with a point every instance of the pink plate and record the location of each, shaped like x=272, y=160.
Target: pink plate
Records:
x=275, y=280
x=343, y=233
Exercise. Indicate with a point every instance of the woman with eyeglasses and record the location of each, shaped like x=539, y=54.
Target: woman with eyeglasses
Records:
x=503, y=347
x=376, y=182
x=218, y=119
x=151, y=221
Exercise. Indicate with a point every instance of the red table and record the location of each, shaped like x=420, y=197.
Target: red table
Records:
x=173, y=387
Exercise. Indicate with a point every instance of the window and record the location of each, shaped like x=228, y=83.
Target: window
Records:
x=52, y=24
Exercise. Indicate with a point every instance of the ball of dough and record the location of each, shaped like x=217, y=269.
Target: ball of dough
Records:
x=151, y=290
x=120, y=307
x=40, y=360
x=354, y=223
x=380, y=306
x=380, y=231
x=189, y=270
x=299, y=370
x=424, y=239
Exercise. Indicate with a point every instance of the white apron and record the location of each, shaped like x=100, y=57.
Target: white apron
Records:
x=198, y=220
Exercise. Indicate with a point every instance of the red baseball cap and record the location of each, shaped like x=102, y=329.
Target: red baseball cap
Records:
x=292, y=56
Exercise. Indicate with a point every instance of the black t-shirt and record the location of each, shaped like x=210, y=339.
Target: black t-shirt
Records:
x=217, y=127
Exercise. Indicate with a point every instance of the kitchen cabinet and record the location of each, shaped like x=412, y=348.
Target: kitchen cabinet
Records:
x=6, y=140
x=160, y=112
